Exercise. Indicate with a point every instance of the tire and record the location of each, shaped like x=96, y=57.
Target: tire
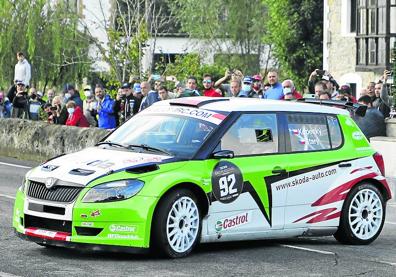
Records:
x=177, y=222
x=362, y=216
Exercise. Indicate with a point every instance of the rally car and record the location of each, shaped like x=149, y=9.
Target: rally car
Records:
x=198, y=170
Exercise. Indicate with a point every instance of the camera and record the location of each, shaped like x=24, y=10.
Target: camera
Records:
x=320, y=72
x=53, y=108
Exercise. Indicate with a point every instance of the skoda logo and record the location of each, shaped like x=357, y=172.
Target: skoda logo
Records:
x=50, y=183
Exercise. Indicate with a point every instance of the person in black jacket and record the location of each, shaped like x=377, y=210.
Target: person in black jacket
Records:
x=373, y=123
x=20, y=102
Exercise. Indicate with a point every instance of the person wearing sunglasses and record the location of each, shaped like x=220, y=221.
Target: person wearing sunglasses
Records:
x=208, y=87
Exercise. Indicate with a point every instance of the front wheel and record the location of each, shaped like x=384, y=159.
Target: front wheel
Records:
x=177, y=224
x=362, y=217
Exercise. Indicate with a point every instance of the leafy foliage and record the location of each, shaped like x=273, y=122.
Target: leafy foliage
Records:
x=190, y=65
x=296, y=34
x=46, y=31
x=226, y=26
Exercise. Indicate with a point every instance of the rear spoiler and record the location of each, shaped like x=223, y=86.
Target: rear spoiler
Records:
x=356, y=108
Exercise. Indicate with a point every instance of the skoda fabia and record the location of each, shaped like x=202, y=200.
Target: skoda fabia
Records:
x=199, y=170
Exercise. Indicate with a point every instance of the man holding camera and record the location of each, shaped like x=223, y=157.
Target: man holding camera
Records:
x=126, y=103
x=323, y=76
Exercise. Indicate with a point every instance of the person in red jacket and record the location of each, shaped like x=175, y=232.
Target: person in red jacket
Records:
x=208, y=87
x=76, y=116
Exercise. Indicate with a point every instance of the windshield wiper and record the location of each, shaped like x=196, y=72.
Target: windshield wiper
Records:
x=150, y=148
x=111, y=144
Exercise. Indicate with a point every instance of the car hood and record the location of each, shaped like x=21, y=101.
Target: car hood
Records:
x=91, y=163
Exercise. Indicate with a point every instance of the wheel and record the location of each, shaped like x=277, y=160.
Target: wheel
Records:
x=176, y=224
x=362, y=216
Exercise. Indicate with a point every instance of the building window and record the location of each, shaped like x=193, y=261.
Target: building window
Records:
x=376, y=29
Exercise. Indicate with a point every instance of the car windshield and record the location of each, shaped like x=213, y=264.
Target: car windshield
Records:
x=179, y=136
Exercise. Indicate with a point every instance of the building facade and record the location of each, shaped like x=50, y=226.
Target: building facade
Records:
x=358, y=39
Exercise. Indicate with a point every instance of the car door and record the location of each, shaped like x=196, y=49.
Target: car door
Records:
x=315, y=166
x=242, y=197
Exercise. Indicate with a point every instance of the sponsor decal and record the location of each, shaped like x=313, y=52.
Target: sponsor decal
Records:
x=357, y=135
x=84, y=216
x=87, y=224
x=349, y=122
x=95, y=213
x=233, y=221
x=101, y=164
x=142, y=160
x=118, y=236
x=206, y=115
x=35, y=232
x=296, y=181
x=122, y=228
x=227, y=182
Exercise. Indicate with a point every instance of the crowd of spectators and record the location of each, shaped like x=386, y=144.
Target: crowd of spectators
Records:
x=99, y=109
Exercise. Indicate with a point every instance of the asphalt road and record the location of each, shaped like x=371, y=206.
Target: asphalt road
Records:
x=294, y=257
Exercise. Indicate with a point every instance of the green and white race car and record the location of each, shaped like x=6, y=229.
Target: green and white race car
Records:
x=201, y=169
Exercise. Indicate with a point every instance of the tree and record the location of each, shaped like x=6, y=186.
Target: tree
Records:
x=46, y=32
x=295, y=30
x=232, y=28
x=129, y=28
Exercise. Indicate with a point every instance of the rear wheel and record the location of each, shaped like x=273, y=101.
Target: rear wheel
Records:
x=362, y=217
x=177, y=224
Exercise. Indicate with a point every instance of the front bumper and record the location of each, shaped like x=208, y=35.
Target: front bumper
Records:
x=82, y=246
x=109, y=226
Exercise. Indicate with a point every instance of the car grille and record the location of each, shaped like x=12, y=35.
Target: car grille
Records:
x=57, y=193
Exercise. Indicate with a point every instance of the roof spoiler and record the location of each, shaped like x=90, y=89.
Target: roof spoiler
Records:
x=358, y=109
x=196, y=102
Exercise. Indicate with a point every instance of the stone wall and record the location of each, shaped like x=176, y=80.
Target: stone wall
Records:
x=38, y=141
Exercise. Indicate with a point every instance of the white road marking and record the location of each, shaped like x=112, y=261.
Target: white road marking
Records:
x=390, y=222
x=15, y=165
x=388, y=263
x=7, y=196
x=308, y=249
x=4, y=274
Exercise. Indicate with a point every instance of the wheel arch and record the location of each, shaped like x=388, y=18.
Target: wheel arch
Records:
x=379, y=185
x=202, y=198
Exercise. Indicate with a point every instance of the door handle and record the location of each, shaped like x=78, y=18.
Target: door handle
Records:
x=344, y=165
x=279, y=171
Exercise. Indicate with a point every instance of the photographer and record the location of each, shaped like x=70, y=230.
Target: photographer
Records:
x=231, y=75
x=20, y=102
x=325, y=76
x=59, y=111
x=126, y=103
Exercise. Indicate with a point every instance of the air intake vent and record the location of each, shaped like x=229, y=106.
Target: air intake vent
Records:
x=64, y=194
x=142, y=169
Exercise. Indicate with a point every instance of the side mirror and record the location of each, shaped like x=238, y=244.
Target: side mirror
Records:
x=223, y=154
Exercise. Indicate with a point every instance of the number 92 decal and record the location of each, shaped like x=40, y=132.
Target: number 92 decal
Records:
x=227, y=182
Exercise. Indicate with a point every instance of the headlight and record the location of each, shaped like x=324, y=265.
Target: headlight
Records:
x=24, y=185
x=113, y=191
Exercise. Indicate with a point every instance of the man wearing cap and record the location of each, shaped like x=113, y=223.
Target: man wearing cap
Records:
x=276, y=90
x=208, y=87
x=345, y=94
x=257, y=85
x=126, y=103
x=247, y=88
x=20, y=102
x=72, y=95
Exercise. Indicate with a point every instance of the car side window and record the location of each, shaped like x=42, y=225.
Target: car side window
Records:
x=308, y=132
x=335, y=131
x=252, y=134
